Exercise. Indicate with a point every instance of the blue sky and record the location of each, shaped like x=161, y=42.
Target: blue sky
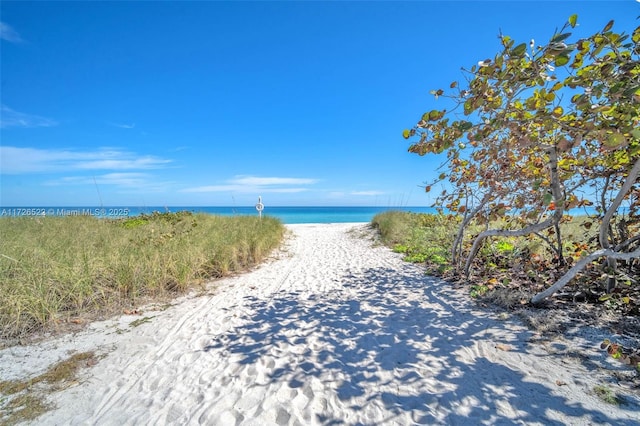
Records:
x=215, y=103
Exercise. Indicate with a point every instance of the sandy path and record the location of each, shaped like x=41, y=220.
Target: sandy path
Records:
x=335, y=331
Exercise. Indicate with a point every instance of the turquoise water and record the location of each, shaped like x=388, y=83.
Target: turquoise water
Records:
x=288, y=215
x=292, y=215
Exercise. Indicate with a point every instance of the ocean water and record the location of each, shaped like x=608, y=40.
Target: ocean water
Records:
x=288, y=215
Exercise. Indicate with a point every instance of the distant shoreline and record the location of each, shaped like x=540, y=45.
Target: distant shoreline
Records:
x=287, y=214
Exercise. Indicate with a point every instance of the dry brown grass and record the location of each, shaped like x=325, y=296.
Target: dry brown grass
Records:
x=24, y=400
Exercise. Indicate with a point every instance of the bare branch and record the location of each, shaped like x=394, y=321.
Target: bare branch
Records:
x=627, y=243
x=556, y=191
x=606, y=220
x=503, y=233
x=579, y=266
x=605, y=225
x=468, y=216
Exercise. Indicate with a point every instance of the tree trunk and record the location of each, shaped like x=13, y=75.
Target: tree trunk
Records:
x=605, y=226
x=456, y=250
x=607, y=252
x=558, y=198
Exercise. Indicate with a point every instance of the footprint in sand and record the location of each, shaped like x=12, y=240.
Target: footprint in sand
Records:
x=229, y=417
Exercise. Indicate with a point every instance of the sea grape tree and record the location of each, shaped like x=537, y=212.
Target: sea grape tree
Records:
x=538, y=130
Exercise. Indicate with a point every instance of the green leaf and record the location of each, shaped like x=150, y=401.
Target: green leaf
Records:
x=614, y=140
x=560, y=37
x=604, y=297
x=468, y=107
x=434, y=115
x=405, y=133
x=519, y=50
x=573, y=20
x=465, y=125
x=547, y=198
x=561, y=60
x=636, y=133
x=632, y=91
x=578, y=98
x=608, y=26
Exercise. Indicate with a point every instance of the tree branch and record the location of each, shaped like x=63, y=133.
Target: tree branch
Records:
x=605, y=225
x=503, y=233
x=556, y=191
x=626, y=187
x=456, y=249
x=579, y=266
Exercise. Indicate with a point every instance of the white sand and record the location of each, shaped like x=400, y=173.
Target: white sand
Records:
x=334, y=331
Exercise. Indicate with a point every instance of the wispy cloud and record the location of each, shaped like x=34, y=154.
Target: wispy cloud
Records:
x=124, y=126
x=367, y=193
x=268, y=181
x=243, y=188
x=9, y=34
x=122, y=179
x=345, y=194
x=11, y=118
x=118, y=161
x=252, y=184
x=16, y=160
x=126, y=182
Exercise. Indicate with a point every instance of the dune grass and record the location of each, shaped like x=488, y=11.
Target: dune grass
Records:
x=53, y=269
x=423, y=238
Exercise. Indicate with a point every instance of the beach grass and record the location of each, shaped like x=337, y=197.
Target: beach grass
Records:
x=422, y=238
x=56, y=269
x=607, y=395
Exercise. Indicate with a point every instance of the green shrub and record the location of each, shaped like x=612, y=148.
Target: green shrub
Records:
x=400, y=248
x=478, y=290
x=504, y=246
x=423, y=238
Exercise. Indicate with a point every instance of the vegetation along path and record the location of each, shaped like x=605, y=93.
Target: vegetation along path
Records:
x=335, y=329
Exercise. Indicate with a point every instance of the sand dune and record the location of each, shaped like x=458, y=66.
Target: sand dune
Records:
x=334, y=331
